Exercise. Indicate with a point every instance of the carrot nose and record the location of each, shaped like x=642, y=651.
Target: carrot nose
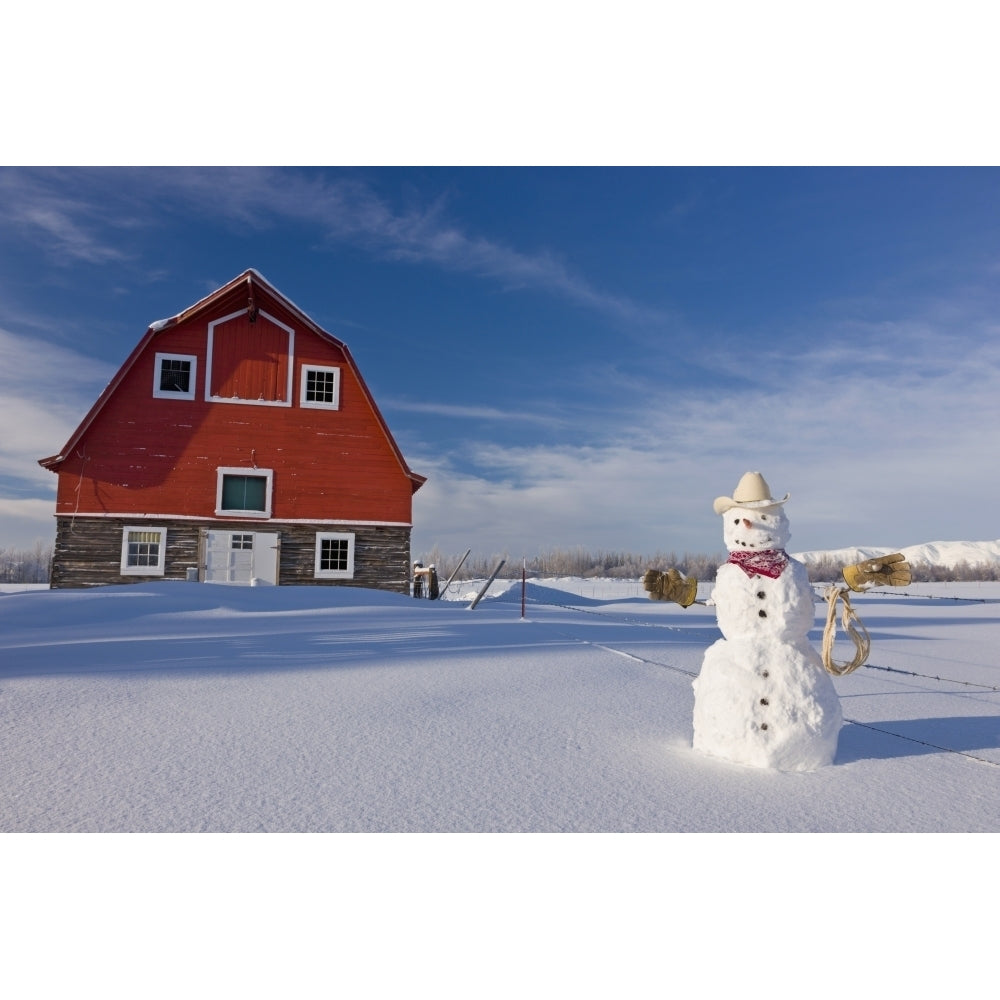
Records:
x=747, y=523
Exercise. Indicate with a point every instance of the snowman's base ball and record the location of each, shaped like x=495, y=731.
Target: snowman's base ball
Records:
x=766, y=705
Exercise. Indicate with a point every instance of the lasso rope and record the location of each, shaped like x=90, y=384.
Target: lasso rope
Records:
x=852, y=625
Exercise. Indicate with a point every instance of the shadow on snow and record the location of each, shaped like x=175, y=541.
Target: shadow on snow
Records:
x=917, y=737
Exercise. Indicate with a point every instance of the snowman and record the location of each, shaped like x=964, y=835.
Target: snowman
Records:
x=763, y=696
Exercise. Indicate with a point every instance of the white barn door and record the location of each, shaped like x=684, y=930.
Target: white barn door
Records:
x=241, y=557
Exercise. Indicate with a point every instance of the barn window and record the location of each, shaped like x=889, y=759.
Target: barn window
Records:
x=143, y=551
x=244, y=491
x=320, y=387
x=334, y=556
x=174, y=376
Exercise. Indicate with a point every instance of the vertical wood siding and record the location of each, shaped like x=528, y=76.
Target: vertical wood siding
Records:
x=159, y=456
x=250, y=360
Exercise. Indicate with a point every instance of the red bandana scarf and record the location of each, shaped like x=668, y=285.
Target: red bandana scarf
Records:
x=766, y=562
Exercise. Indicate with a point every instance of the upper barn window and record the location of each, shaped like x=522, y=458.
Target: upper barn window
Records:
x=174, y=376
x=320, y=387
x=249, y=360
x=246, y=492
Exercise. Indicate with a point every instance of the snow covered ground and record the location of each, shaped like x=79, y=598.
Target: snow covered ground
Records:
x=186, y=707
x=182, y=707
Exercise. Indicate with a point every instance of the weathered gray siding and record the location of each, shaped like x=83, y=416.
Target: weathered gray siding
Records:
x=88, y=551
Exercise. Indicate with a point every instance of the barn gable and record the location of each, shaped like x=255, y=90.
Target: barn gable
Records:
x=238, y=411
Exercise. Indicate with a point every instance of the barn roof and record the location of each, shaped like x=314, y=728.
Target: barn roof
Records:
x=250, y=280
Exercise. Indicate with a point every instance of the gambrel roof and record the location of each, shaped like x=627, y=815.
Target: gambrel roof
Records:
x=246, y=287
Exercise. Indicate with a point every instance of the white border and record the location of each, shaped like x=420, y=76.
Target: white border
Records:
x=287, y=401
x=334, y=574
x=207, y=517
x=227, y=470
x=312, y=404
x=192, y=392
x=156, y=570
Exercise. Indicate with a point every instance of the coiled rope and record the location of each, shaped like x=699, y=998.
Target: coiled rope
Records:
x=854, y=628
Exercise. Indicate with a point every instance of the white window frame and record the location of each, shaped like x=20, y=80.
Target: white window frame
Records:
x=159, y=393
x=158, y=569
x=334, y=574
x=318, y=404
x=266, y=474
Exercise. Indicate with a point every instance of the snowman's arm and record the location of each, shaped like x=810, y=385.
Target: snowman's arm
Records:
x=670, y=586
x=889, y=571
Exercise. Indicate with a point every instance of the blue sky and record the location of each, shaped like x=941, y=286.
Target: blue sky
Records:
x=572, y=356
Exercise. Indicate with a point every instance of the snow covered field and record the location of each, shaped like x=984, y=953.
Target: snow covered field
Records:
x=177, y=707
x=187, y=707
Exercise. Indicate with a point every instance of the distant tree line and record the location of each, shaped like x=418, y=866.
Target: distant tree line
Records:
x=32, y=566
x=581, y=562
x=571, y=562
x=825, y=569
x=26, y=566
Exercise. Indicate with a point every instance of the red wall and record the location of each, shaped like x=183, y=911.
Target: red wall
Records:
x=143, y=455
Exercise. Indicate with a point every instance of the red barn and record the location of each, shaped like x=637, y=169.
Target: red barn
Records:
x=238, y=441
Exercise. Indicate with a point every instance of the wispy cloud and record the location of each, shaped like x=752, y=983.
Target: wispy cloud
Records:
x=846, y=439
x=26, y=523
x=342, y=209
x=70, y=227
x=487, y=413
x=67, y=237
x=38, y=514
x=350, y=210
x=43, y=396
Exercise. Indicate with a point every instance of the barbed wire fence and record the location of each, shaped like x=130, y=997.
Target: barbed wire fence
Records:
x=639, y=621
x=614, y=564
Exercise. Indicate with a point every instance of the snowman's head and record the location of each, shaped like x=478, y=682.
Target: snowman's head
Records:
x=753, y=529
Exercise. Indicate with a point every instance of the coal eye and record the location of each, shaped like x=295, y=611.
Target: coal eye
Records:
x=763, y=517
x=736, y=521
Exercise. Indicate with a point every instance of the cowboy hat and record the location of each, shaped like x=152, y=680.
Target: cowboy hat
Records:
x=752, y=491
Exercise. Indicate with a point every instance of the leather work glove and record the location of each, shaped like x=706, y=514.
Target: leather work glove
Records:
x=670, y=586
x=889, y=571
